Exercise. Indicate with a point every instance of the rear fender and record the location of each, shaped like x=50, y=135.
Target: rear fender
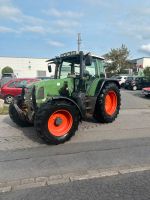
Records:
x=104, y=82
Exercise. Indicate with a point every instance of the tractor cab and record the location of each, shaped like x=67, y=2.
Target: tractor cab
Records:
x=82, y=69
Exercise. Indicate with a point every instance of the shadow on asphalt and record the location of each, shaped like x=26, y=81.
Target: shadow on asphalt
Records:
x=28, y=132
x=31, y=134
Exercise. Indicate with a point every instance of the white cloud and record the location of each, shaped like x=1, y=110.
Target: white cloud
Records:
x=134, y=23
x=145, y=48
x=33, y=29
x=55, y=43
x=66, y=23
x=28, y=23
x=10, y=12
x=4, y=29
x=5, y=2
x=68, y=13
x=32, y=20
x=105, y=3
x=142, y=10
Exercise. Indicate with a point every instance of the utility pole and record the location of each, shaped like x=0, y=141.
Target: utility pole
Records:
x=79, y=41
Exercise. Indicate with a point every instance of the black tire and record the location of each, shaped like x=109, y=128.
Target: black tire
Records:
x=100, y=112
x=123, y=85
x=45, y=112
x=134, y=88
x=147, y=95
x=16, y=118
x=9, y=99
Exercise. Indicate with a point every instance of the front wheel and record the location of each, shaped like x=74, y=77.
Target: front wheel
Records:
x=108, y=104
x=122, y=85
x=56, y=122
x=16, y=118
x=134, y=88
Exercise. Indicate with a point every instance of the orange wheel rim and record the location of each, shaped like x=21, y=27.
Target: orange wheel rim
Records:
x=60, y=122
x=111, y=102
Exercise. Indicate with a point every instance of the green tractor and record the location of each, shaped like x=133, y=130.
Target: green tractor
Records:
x=79, y=91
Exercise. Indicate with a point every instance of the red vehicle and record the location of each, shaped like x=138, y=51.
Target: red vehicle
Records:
x=14, y=87
x=146, y=91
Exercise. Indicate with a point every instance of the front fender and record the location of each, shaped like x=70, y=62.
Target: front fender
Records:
x=69, y=100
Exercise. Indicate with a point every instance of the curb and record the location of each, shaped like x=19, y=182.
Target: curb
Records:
x=27, y=183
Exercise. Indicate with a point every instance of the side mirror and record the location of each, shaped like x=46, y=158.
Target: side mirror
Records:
x=88, y=60
x=49, y=68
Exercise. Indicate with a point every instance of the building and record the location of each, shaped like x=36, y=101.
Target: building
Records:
x=27, y=67
x=139, y=64
x=143, y=62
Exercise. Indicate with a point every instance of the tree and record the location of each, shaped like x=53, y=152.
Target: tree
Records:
x=7, y=69
x=117, y=60
x=146, y=72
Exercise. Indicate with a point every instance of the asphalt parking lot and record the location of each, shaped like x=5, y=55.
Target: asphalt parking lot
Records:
x=134, y=100
x=13, y=137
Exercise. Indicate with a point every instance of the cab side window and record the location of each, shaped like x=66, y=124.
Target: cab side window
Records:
x=92, y=69
x=65, y=70
x=101, y=68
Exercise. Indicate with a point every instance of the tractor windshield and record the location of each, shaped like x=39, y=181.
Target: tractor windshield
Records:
x=69, y=69
x=70, y=66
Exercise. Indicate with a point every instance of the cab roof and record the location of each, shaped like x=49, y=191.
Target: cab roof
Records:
x=73, y=54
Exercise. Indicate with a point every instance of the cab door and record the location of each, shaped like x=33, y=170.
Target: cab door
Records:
x=93, y=74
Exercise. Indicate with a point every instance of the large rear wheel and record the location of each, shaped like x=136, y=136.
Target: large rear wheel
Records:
x=57, y=122
x=108, y=104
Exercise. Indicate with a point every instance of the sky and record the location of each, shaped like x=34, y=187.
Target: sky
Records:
x=46, y=28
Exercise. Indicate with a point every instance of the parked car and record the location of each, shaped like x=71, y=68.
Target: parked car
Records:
x=6, y=77
x=13, y=88
x=121, y=79
x=12, y=75
x=137, y=83
x=127, y=84
x=146, y=91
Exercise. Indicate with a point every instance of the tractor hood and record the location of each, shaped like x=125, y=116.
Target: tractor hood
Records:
x=46, y=89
